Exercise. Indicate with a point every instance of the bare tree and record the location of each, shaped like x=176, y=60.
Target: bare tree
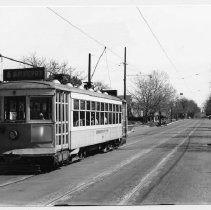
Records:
x=154, y=94
x=60, y=71
x=100, y=85
x=34, y=60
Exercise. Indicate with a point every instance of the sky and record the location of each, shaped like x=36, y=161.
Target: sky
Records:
x=183, y=31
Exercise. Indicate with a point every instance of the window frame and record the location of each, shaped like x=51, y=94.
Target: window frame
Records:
x=52, y=109
x=104, y=108
x=25, y=109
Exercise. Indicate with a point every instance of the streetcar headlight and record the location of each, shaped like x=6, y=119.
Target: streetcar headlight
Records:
x=13, y=134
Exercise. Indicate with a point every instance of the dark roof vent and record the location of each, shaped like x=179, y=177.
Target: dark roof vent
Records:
x=110, y=92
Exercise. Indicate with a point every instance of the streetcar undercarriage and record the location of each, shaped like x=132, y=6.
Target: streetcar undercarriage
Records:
x=12, y=163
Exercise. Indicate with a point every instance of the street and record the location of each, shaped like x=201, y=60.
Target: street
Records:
x=158, y=165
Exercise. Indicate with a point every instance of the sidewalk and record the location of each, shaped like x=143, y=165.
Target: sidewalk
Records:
x=133, y=128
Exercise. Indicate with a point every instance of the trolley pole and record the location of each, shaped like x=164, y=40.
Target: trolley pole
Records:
x=89, y=72
x=88, y=84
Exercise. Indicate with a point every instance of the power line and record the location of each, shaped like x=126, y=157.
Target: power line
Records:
x=159, y=43
x=1, y=56
x=83, y=32
x=86, y=34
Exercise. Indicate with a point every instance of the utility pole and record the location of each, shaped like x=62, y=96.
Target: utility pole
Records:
x=124, y=102
x=125, y=74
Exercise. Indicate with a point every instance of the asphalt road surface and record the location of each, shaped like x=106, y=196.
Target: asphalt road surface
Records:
x=158, y=165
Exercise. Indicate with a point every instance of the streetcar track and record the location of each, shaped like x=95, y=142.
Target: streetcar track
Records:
x=146, y=134
x=16, y=181
x=69, y=190
x=156, y=130
x=145, y=183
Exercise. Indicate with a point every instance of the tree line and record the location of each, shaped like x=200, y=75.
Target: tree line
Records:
x=207, y=106
x=155, y=96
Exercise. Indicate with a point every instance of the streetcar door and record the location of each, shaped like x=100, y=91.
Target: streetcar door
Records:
x=62, y=120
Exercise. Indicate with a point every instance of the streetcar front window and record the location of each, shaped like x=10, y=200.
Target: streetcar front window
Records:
x=15, y=108
x=41, y=108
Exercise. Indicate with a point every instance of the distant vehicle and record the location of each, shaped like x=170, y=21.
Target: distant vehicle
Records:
x=163, y=122
x=51, y=124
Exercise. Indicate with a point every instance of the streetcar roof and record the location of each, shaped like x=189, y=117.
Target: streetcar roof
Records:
x=22, y=85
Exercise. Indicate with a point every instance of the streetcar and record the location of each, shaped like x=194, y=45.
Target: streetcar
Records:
x=50, y=124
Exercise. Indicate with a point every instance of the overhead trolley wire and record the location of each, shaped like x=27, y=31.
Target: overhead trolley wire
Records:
x=86, y=34
x=12, y=59
x=83, y=32
x=156, y=38
x=159, y=43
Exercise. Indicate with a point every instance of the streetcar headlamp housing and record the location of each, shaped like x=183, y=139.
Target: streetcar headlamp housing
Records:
x=13, y=134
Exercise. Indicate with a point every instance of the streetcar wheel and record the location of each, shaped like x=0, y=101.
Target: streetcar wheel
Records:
x=82, y=155
x=106, y=149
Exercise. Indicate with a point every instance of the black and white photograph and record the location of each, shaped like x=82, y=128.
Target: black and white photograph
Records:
x=105, y=103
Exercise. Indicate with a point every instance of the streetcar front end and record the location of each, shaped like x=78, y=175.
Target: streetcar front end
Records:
x=26, y=123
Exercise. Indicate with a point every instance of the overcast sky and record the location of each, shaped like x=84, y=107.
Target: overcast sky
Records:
x=184, y=30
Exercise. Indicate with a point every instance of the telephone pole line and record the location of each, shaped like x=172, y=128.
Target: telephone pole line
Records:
x=125, y=101
x=125, y=74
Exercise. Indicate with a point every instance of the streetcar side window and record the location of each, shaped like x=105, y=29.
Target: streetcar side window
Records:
x=106, y=118
x=76, y=104
x=15, y=108
x=106, y=107
x=82, y=118
x=102, y=118
x=41, y=108
x=87, y=118
x=102, y=106
x=88, y=105
x=98, y=106
x=110, y=118
x=114, y=118
x=93, y=105
x=92, y=118
x=82, y=103
x=97, y=118
x=75, y=118
x=90, y=113
x=120, y=117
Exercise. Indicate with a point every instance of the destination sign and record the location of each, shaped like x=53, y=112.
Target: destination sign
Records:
x=37, y=73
